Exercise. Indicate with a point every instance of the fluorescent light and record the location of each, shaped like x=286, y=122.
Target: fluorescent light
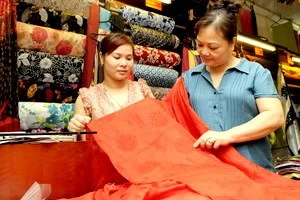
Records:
x=256, y=43
x=166, y=1
x=296, y=59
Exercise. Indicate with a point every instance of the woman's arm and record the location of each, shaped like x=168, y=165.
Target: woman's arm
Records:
x=145, y=88
x=270, y=118
x=80, y=119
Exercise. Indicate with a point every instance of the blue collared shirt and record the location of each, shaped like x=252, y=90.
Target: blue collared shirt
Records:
x=233, y=103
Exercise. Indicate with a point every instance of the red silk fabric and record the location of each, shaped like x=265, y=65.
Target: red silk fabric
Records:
x=151, y=144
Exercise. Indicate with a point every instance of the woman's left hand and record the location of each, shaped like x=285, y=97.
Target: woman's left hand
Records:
x=212, y=139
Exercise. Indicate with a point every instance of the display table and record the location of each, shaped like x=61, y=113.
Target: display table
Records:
x=66, y=166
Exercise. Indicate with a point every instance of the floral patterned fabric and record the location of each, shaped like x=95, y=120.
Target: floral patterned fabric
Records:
x=159, y=92
x=8, y=68
x=35, y=91
x=44, y=115
x=45, y=67
x=152, y=38
x=156, y=57
x=76, y=7
x=156, y=76
x=49, y=40
x=147, y=19
x=48, y=17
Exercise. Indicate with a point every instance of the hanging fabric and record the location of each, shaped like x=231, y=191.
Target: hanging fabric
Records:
x=291, y=126
x=246, y=22
x=91, y=45
x=253, y=21
x=8, y=58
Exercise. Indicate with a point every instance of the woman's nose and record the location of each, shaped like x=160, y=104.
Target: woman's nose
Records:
x=123, y=62
x=204, y=51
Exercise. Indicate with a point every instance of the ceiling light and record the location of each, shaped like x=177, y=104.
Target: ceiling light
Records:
x=256, y=43
x=296, y=59
x=166, y=1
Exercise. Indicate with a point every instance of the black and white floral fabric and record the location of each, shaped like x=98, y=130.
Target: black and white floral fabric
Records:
x=152, y=38
x=48, y=17
x=76, y=7
x=147, y=19
x=45, y=67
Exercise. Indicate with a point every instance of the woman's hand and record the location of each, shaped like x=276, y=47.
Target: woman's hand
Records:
x=212, y=139
x=78, y=123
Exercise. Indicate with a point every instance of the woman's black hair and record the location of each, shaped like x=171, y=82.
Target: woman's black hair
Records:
x=112, y=41
x=223, y=16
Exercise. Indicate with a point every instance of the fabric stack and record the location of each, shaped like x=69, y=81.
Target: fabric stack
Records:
x=154, y=45
x=289, y=168
x=50, y=58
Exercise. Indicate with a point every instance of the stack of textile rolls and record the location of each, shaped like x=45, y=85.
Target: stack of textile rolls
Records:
x=154, y=54
x=51, y=38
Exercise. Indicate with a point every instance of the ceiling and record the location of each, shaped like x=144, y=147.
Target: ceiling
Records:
x=279, y=10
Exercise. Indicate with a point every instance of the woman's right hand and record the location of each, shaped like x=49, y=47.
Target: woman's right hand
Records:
x=78, y=123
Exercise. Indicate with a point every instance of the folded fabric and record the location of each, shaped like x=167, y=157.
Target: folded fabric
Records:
x=35, y=115
x=46, y=67
x=35, y=91
x=77, y=7
x=155, y=76
x=49, y=17
x=104, y=22
x=147, y=19
x=152, y=38
x=50, y=40
x=157, y=57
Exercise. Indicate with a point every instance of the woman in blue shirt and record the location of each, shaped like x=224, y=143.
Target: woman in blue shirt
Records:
x=235, y=97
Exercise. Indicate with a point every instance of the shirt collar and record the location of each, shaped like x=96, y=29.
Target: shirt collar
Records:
x=240, y=67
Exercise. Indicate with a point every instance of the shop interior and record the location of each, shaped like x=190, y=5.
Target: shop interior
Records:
x=36, y=103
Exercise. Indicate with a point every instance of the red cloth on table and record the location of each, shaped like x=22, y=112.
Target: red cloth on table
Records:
x=151, y=144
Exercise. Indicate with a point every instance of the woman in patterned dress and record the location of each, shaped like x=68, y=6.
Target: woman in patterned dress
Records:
x=116, y=91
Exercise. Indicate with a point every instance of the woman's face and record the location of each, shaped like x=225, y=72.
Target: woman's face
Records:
x=214, y=49
x=118, y=65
